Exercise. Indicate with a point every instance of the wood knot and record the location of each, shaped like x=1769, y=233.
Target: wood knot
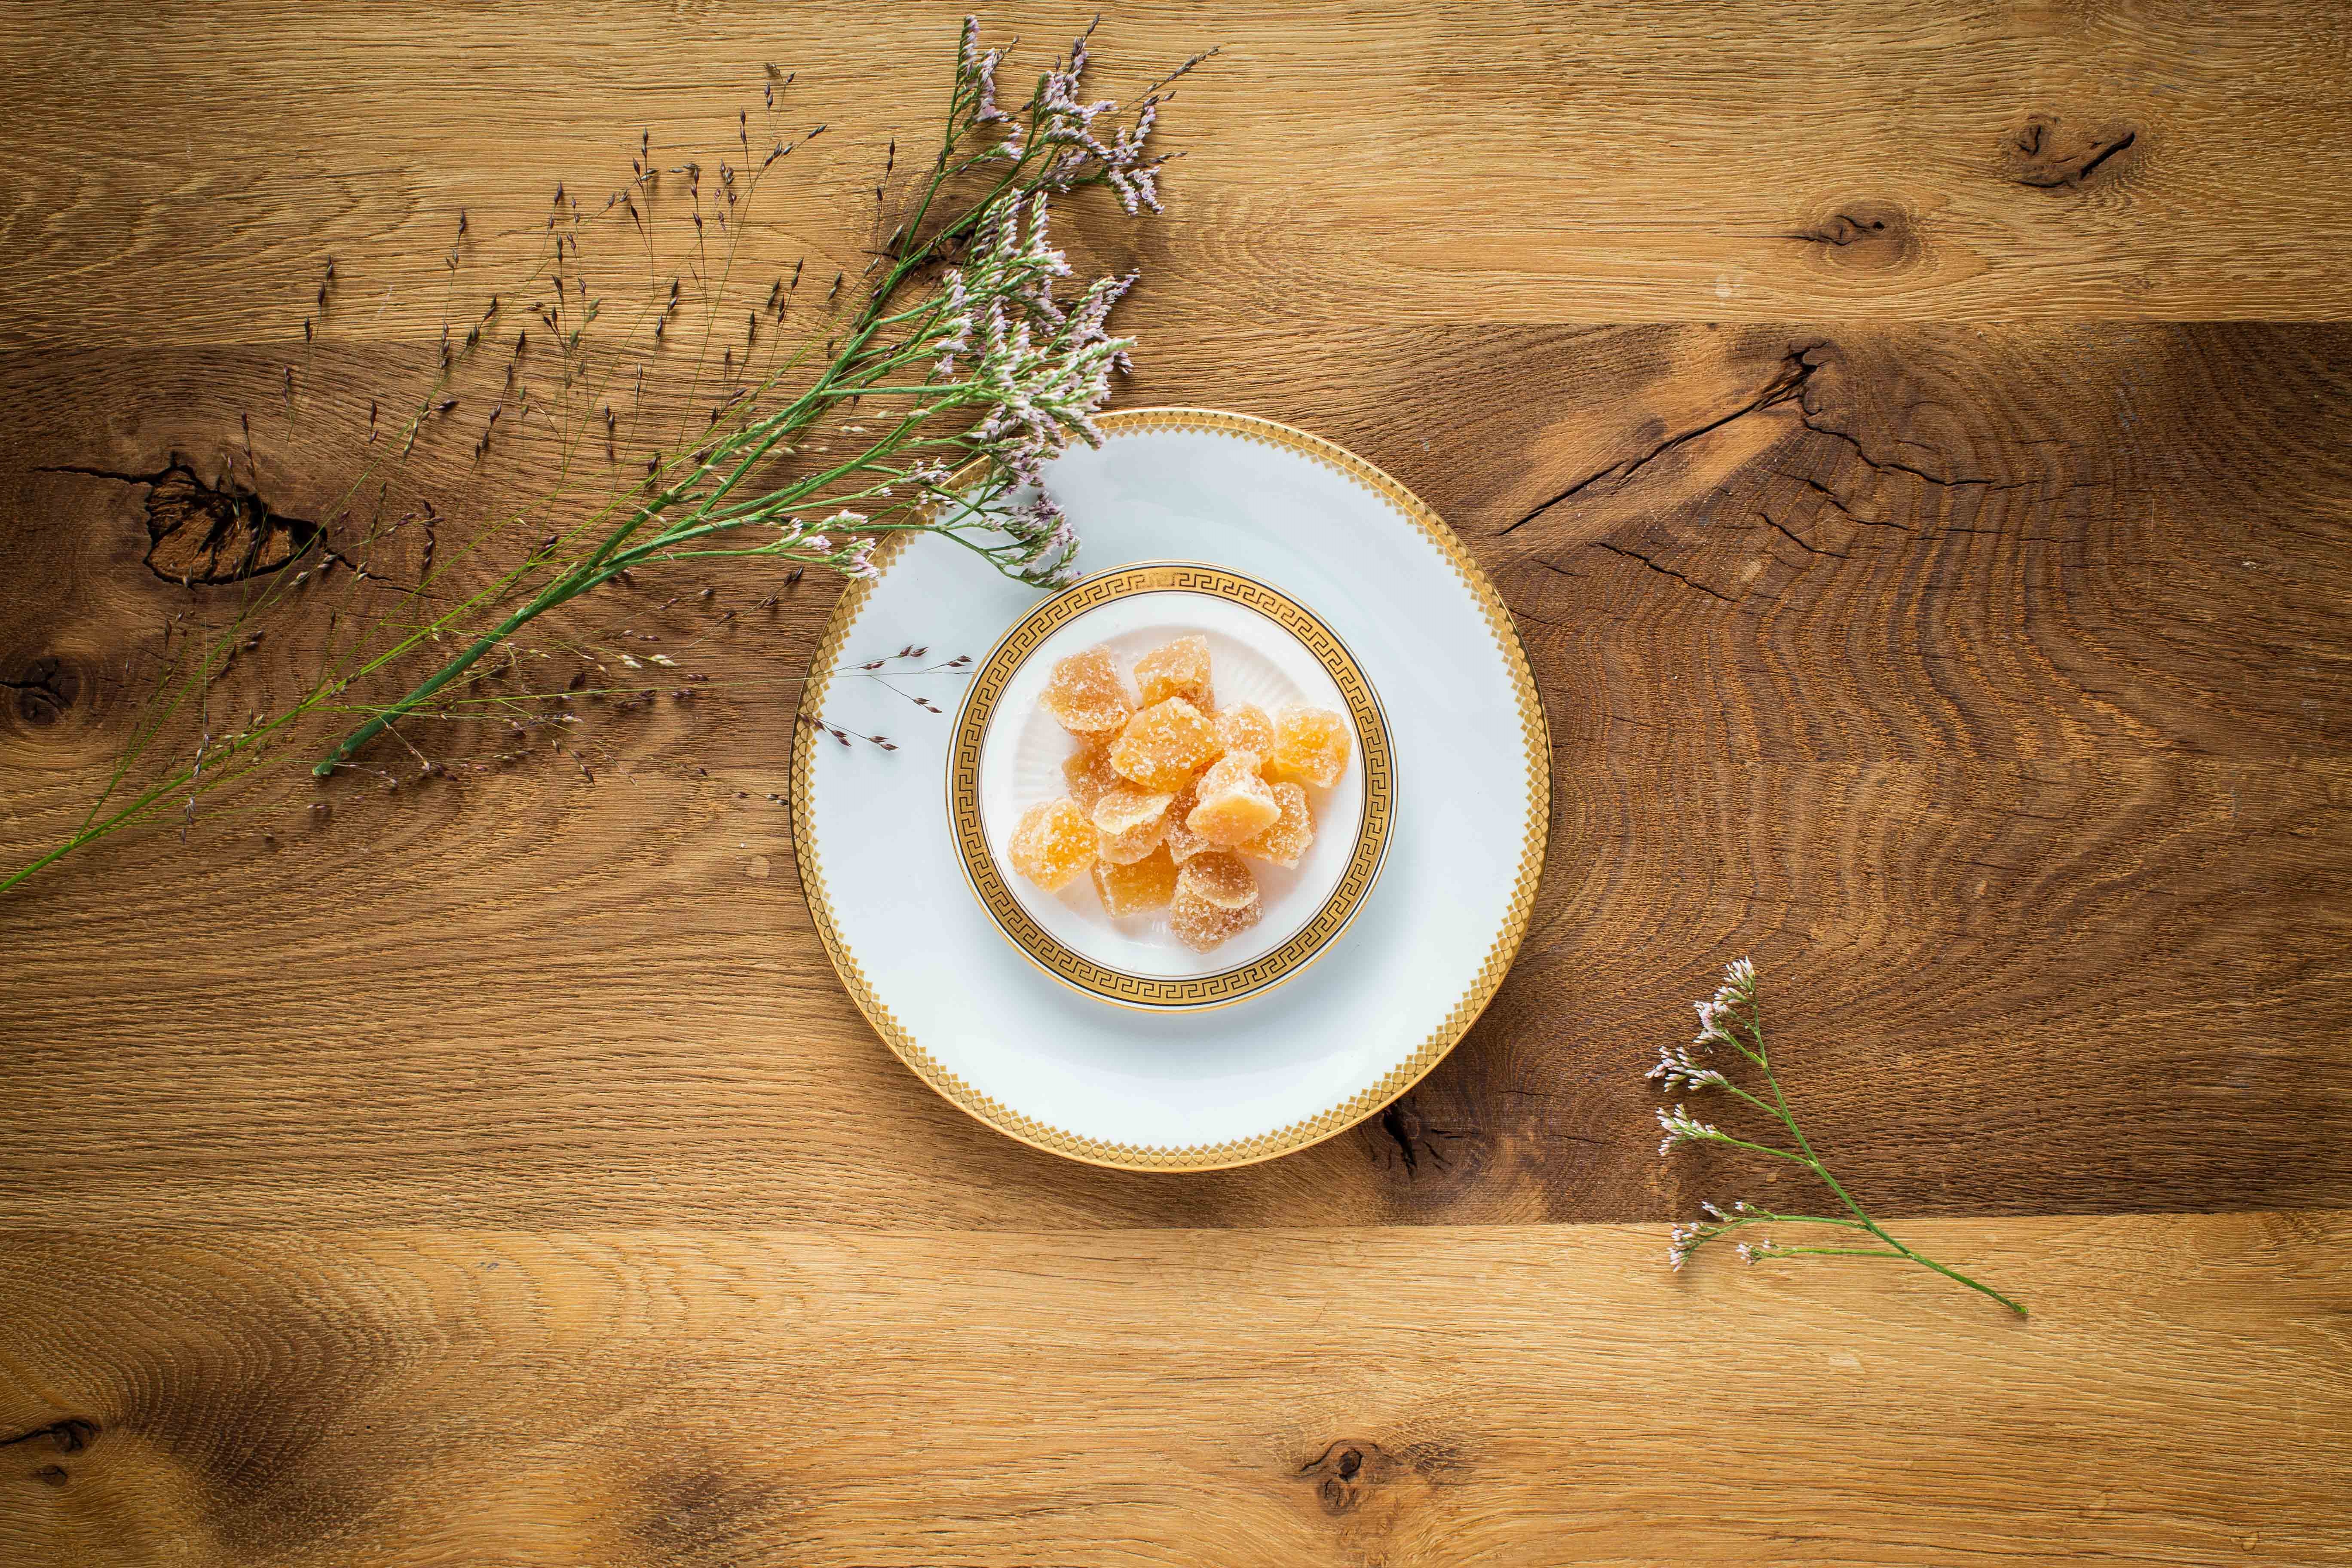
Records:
x=1348, y=1472
x=1865, y=233
x=70, y=1436
x=43, y=690
x=204, y=533
x=2045, y=153
x=1413, y=1142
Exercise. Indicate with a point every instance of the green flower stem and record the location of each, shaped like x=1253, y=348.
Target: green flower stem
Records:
x=1781, y=1109
x=1758, y=1148
x=1766, y=1218
x=350, y=743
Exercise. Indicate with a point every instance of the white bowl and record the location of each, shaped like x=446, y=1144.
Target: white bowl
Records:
x=1265, y=649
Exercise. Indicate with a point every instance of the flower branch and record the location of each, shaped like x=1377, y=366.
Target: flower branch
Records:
x=1732, y=1019
x=1037, y=368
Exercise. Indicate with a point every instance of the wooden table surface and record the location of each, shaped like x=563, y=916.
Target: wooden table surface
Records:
x=1916, y=441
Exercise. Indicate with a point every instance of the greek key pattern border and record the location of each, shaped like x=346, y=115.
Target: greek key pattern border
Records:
x=987, y=878
x=1334, y=1119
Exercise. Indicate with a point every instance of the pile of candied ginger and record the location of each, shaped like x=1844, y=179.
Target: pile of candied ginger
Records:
x=1167, y=794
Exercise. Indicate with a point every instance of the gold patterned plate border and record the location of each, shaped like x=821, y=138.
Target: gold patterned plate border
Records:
x=985, y=877
x=1367, y=1101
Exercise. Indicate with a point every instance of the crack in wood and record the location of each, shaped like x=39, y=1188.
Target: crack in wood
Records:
x=71, y=1435
x=1667, y=570
x=1792, y=538
x=1889, y=464
x=1795, y=371
x=1838, y=501
x=1843, y=229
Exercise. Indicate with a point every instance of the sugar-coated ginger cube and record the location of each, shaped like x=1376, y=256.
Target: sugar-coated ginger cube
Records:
x=1052, y=844
x=1218, y=879
x=1085, y=695
x=1132, y=822
x=1290, y=838
x=1183, y=842
x=1235, y=804
x=1131, y=889
x=1245, y=729
x=1201, y=925
x=1310, y=747
x=1089, y=774
x=1180, y=669
x=1164, y=745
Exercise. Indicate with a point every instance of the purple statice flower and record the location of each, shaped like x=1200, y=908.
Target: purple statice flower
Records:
x=976, y=71
x=1134, y=178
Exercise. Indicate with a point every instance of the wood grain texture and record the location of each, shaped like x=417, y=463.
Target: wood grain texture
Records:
x=658, y=1396
x=2001, y=780
x=1391, y=162
x=1935, y=575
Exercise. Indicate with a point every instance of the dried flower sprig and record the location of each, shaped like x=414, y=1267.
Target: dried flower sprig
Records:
x=900, y=666
x=968, y=364
x=1731, y=1019
x=985, y=376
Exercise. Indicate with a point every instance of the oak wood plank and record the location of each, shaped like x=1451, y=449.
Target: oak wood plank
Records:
x=1989, y=687
x=1519, y=1394
x=1525, y=163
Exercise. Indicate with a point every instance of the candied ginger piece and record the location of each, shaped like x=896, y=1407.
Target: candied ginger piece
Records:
x=1201, y=925
x=1289, y=838
x=1132, y=822
x=1183, y=842
x=1164, y=745
x=1085, y=695
x=1310, y=746
x=1052, y=844
x=1130, y=890
x=1180, y=669
x=1235, y=803
x=1089, y=774
x=1218, y=879
x=1245, y=729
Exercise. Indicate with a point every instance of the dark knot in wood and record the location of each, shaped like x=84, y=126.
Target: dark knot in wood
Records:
x=1845, y=229
x=70, y=1436
x=1858, y=222
x=2047, y=155
x=1870, y=233
x=200, y=533
x=1348, y=1471
x=1413, y=1140
x=43, y=688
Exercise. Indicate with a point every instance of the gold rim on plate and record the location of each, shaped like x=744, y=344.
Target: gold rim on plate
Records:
x=1183, y=992
x=1332, y=1120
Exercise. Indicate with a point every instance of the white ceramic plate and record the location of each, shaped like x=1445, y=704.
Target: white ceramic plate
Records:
x=1278, y=1070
